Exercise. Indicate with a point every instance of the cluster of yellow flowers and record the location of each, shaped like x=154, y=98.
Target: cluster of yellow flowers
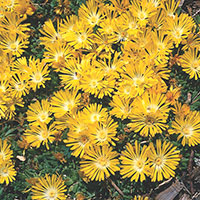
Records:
x=7, y=171
x=17, y=77
x=121, y=51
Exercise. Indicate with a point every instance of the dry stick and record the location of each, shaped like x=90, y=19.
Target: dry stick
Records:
x=196, y=13
x=116, y=187
x=196, y=97
x=190, y=170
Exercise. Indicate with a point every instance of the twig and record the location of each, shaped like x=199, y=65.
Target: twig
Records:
x=196, y=13
x=116, y=187
x=190, y=170
x=193, y=100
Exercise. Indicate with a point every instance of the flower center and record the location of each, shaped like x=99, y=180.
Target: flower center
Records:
x=2, y=88
x=152, y=108
x=139, y=164
x=82, y=37
x=178, y=32
x=159, y=161
x=187, y=130
x=20, y=86
x=93, y=83
x=51, y=194
x=37, y=77
x=138, y=80
x=44, y=134
x=84, y=139
x=150, y=120
x=4, y=172
x=13, y=46
x=43, y=116
x=127, y=90
x=94, y=19
x=102, y=135
x=95, y=117
x=102, y=162
x=196, y=65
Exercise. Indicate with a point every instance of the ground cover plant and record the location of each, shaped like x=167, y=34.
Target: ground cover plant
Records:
x=99, y=100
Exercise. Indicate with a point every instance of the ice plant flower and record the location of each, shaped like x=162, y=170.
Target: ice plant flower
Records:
x=49, y=188
x=99, y=163
x=104, y=132
x=163, y=160
x=65, y=101
x=187, y=127
x=134, y=162
x=5, y=151
x=7, y=172
x=40, y=134
x=150, y=114
x=39, y=112
x=190, y=62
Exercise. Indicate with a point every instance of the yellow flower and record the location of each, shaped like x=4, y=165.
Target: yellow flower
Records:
x=94, y=113
x=134, y=162
x=179, y=27
x=122, y=107
x=71, y=74
x=21, y=65
x=120, y=6
x=12, y=24
x=40, y=134
x=190, y=62
x=164, y=45
x=13, y=44
x=163, y=160
x=50, y=34
x=68, y=25
x=150, y=114
x=191, y=42
x=90, y=13
x=49, y=188
x=99, y=163
x=57, y=54
x=140, y=77
x=142, y=10
x=107, y=23
x=104, y=132
x=103, y=42
x=5, y=152
x=181, y=110
x=92, y=81
x=7, y=172
x=173, y=94
x=65, y=101
x=80, y=37
x=111, y=65
x=129, y=22
x=9, y=5
x=25, y=7
x=10, y=104
x=38, y=73
x=170, y=7
x=78, y=141
x=39, y=112
x=188, y=128
x=78, y=137
x=20, y=85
